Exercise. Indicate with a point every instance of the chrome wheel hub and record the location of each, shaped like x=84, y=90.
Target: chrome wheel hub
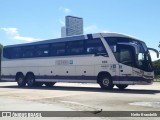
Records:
x=106, y=82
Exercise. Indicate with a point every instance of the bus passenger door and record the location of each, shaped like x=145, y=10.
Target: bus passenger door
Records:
x=126, y=62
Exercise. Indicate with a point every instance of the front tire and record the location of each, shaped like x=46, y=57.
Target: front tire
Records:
x=106, y=82
x=122, y=87
x=21, y=80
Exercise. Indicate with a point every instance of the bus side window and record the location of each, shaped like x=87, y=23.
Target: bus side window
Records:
x=95, y=46
x=7, y=53
x=42, y=50
x=58, y=49
x=16, y=52
x=75, y=48
x=28, y=51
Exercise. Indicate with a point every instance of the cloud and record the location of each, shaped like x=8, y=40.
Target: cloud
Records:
x=93, y=29
x=61, y=22
x=13, y=33
x=65, y=10
x=10, y=31
x=29, y=39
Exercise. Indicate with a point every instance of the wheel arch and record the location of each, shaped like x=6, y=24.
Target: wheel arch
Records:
x=30, y=73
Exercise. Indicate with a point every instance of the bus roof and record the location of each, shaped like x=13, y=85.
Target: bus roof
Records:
x=74, y=38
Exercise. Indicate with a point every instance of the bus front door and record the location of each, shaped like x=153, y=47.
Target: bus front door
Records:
x=126, y=63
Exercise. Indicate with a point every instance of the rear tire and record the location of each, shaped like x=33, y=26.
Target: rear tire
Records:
x=21, y=80
x=122, y=87
x=30, y=80
x=105, y=82
x=50, y=84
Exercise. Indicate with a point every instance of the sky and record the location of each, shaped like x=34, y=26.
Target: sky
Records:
x=23, y=21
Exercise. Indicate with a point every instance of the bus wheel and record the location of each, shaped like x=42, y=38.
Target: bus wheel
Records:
x=30, y=80
x=122, y=87
x=106, y=82
x=21, y=80
x=50, y=84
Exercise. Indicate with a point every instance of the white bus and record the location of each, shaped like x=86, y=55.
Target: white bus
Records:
x=105, y=58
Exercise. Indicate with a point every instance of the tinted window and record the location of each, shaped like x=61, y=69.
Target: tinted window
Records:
x=28, y=51
x=113, y=41
x=12, y=53
x=123, y=52
x=7, y=53
x=42, y=50
x=16, y=52
x=125, y=55
x=95, y=46
x=58, y=49
x=75, y=48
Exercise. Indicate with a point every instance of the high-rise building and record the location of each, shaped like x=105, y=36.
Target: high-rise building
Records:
x=63, y=31
x=73, y=26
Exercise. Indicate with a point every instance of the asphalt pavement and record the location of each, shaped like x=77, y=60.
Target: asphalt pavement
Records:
x=88, y=98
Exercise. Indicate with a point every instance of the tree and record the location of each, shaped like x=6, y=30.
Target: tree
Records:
x=1, y=46
x=156, y=66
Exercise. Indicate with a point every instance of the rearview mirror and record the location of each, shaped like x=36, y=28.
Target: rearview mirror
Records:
x=156, y=51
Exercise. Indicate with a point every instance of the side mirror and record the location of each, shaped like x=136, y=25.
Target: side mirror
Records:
x=156, y=51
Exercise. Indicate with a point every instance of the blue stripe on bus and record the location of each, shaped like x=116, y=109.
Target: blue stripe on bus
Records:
x=8, y=76
x=67, y=77
x=55, y=77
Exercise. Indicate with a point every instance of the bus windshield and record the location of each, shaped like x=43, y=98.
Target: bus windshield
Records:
x=131, y=52
x=144, y=61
